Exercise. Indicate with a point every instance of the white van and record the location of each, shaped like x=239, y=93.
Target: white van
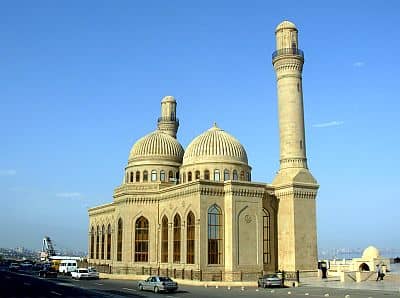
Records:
x=67, y=266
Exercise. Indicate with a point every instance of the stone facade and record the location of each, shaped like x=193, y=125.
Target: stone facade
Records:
x=196, y=214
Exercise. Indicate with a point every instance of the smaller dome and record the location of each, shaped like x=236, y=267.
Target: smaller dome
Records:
x=168, y=98
x=370, y=253
x=157, y=145
x=286, y=25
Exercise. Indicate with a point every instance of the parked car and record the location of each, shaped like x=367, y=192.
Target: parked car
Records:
x=270, y=280
x=158, y=284
x=80, y=273
x=14, y=267
x=93, y=274
x=48, y=272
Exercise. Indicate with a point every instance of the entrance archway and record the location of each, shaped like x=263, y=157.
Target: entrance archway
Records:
x=364, y=267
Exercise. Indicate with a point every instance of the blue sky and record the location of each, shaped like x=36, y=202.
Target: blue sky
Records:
x=81, y=81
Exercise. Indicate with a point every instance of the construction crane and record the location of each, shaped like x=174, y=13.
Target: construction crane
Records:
x=47, y=249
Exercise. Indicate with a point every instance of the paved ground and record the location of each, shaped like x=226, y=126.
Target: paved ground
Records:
x=25, y=285
x=390, y=283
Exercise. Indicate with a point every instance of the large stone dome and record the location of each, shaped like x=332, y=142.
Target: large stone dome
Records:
x=215, y=145
x=157, y=145
x=370, y=253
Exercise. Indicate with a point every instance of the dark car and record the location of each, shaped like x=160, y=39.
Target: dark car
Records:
x=158, y=284
x=14, y=267
x=270, y=280
x=48, y=272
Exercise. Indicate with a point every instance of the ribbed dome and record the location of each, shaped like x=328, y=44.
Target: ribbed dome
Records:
x=215, y=145
x=286, y=25
x=158, y=146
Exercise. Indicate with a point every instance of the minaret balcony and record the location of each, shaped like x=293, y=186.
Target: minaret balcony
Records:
x=287, y=52
x=167, y=119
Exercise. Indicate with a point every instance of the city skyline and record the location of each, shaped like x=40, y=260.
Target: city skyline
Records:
x=76, y=76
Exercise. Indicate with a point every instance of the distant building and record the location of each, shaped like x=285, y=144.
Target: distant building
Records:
x=369, y=260
x=196, y=213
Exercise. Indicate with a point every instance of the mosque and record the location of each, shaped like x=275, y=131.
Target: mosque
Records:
x=197, y=214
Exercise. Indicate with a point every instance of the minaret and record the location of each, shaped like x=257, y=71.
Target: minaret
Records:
x=288, y=62
x=168, y=122
x=295, y=187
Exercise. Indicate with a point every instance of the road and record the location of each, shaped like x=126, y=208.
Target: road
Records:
x=27, y=285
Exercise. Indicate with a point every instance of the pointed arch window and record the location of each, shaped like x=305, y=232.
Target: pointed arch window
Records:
x=216, y=175
x=142, y=240
x=189, y=176
x=190, y=238
x=164, y=240
x=170, y=176
x=137, y=176
x=226, y=175
x=153, y=175
x=235, y=175
x=103, y=238
x=177, y=239
x=197, y=175
x=206, y=175
x=162, y=175
x=92, y=243
x=97, y=242
x=266, y=237
x=109, y=242
x=215, y=232
x=145, y=176
x=241, y=175
x=119, y=240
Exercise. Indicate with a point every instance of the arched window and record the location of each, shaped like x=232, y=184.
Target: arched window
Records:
x=241, y=175
x=215, y=232
x=177, y=239
x=145, y=176
x=164, y=240
x=103, y=238
x=235, y=175
x=92, y=243
x=190, y=238
x=247, y=176
x=216, y=175
x=162, y=175
x=206, y=175
x=170, y=176
x=97, y=242
x=137, y=176
x=266, y=237
x=226, y=175
x=189, y=176
x=142, y=240
x=119, y=241
x=153, y=175
x=197, y=175
x=131, y=178
x=109, y=242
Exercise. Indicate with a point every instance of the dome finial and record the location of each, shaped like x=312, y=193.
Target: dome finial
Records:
x=215, y=124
